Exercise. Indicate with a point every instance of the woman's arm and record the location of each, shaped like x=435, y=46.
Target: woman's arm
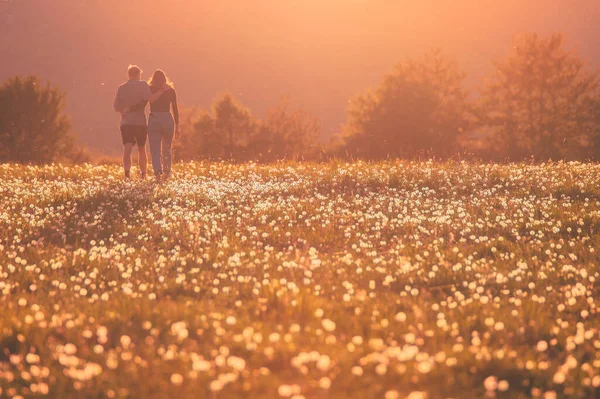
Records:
x=175, y=114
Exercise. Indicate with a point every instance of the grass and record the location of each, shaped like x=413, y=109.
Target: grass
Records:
x=340, y=280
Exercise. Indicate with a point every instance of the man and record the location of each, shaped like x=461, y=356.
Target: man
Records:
x=130, y=101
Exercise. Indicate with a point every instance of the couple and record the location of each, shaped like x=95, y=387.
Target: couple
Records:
x=130, y=101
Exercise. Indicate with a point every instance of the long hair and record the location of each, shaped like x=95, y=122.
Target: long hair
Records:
x=159, y=79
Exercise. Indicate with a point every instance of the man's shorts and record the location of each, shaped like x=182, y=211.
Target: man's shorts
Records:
x=134, y=135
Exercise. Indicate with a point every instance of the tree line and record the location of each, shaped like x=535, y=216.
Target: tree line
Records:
x=540, y=102
x=33, y=125
x=229, y=131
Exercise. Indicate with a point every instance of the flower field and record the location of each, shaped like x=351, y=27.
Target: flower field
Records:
x=384, y=280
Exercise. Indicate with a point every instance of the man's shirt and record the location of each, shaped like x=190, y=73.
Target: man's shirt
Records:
x=131, y=94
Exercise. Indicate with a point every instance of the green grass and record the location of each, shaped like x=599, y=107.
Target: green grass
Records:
x=341, y=280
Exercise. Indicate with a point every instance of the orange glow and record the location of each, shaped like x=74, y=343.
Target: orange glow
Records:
x=320, y=52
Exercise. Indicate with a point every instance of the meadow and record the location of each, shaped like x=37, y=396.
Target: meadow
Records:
x=338, y=280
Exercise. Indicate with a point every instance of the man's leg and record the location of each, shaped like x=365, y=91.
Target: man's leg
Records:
x=143, y=160
x=140, y=139
x=128, y=142
x=127, y=158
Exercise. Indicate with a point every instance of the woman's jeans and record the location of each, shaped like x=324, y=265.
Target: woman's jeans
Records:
x=160, y=136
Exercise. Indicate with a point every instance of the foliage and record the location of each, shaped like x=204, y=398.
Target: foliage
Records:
x=538, y=102
x=287, y=133
x=419, y=109
x=223, y=133
x=189, y=146
x=230, y=132
x=33, y=125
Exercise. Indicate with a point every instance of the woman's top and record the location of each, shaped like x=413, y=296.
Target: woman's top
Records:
x=163, y=103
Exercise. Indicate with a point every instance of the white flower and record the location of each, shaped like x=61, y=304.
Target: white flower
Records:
x=328, y=325
x=542, y=346
x=490, y=383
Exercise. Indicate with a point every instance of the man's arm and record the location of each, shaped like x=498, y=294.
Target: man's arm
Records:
x=117, y=103
x=146, y=95
x=146, y=92
x=149, y=96
x=154, y=96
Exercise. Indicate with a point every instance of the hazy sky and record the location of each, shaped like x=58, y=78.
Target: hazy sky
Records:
x=320, y=52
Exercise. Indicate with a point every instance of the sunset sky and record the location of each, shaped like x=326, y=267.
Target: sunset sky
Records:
x=320, y=52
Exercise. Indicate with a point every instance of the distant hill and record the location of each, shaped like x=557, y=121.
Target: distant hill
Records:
x=320, y=52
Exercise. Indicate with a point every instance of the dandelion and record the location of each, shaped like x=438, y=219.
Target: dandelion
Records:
x=236, y=363
x=70, y=349
x=490, y=383
x=324, y=383
x=381, y=369
x=392, y=394
x=176, y=379
x=559, y=377
x=285, y=391
x=400, y=316
x=216, y=386
x=324, y=362
x=424, y=367
x=125, y=341
x=328, y=325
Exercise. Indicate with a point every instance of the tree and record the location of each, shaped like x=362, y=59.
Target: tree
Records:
x=420, y=108
x=223, y=133
x=189, y=146
x=286, y=133
x=538, y=101
x=230, y=131
x=594, y=149
x=33, y=125
x=235, y=123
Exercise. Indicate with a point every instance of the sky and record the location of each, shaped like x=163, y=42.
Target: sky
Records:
x=321, y=53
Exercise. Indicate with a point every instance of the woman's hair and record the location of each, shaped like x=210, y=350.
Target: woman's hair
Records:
x=159, y=79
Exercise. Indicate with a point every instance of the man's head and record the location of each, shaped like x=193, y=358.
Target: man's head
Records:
x=134, y=72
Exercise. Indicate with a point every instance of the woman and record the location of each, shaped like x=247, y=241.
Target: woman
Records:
x=161, y=124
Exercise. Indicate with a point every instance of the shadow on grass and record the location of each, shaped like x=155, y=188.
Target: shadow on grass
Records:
x=98, y=216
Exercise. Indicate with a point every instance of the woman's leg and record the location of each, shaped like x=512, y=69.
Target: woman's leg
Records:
x=154, y=138
x=167, y=145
